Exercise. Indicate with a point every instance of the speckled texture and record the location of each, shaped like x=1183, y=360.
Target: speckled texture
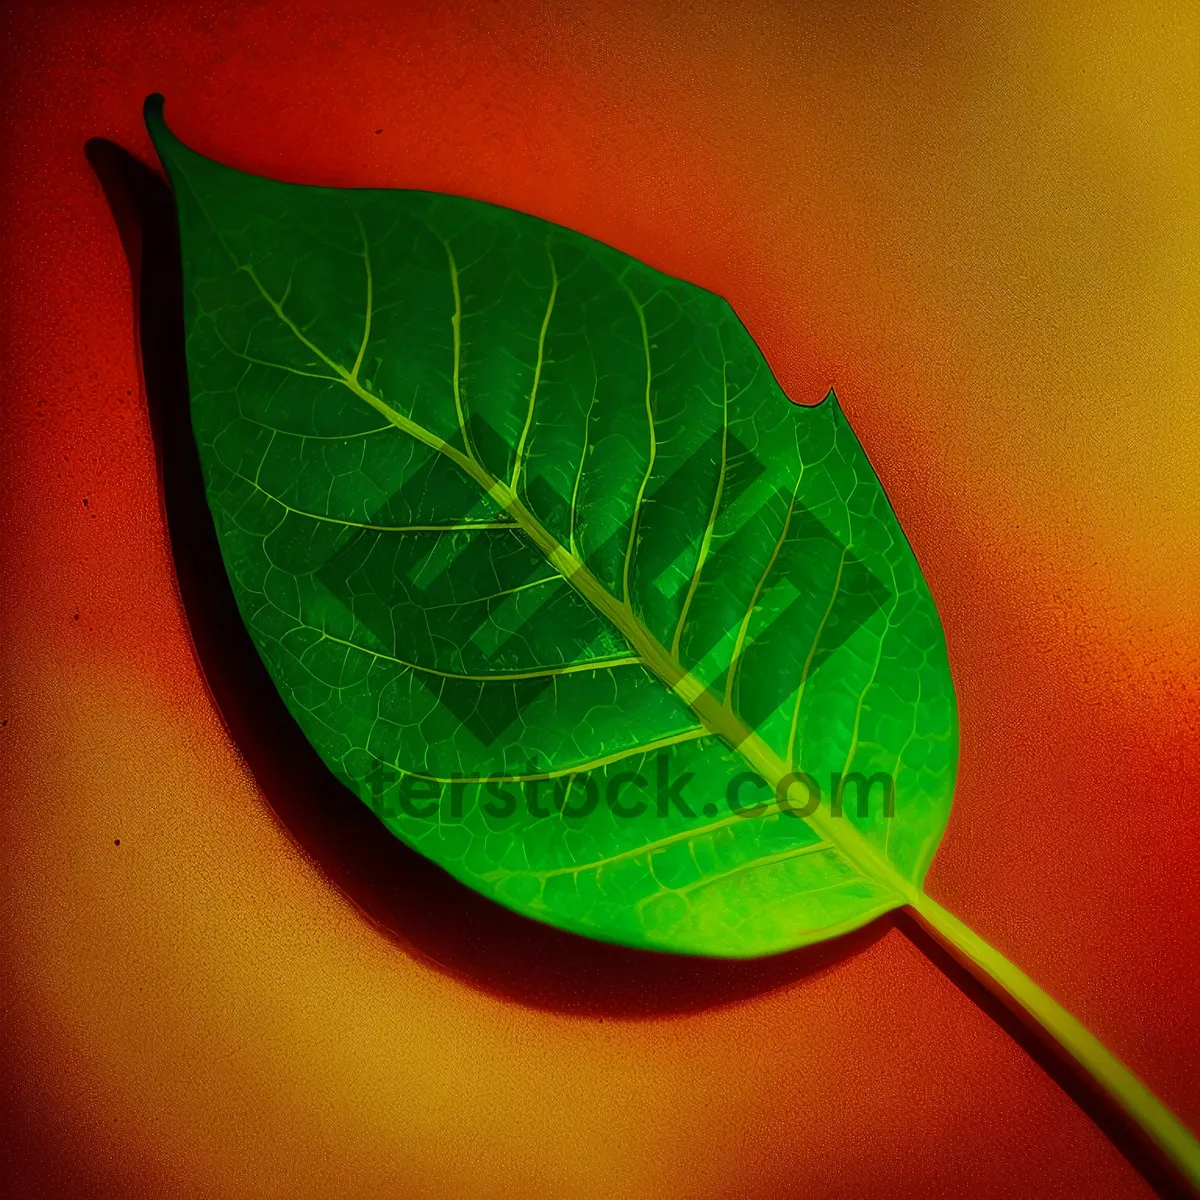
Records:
x=981, y=231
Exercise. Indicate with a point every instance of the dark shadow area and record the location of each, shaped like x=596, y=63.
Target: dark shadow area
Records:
x=408, y=897
x=1142, y=1155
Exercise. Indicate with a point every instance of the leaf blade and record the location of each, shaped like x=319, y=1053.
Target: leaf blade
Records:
x=285, y=327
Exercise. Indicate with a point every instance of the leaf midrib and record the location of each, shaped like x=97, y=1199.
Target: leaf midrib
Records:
x=657, y=658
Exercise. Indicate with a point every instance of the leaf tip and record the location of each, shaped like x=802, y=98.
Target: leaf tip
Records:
x=156, y=124
x=152, y=110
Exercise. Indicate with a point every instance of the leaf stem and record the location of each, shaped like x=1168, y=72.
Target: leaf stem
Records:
x=1014, y=988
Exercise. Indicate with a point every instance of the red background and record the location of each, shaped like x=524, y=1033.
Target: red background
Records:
x=981, y=231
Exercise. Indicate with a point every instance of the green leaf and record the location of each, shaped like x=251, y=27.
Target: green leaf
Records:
x=555, y=578
x=529, y=539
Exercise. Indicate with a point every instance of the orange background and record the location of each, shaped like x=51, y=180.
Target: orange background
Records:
x=981, y=227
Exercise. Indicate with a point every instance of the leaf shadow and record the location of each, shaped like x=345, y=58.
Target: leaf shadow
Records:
x=409, y=898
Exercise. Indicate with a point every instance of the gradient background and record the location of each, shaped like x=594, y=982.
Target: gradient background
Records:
x=983, y=228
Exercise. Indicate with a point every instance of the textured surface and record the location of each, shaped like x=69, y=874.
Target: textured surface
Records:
x=978, y=226
x=375, y=377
